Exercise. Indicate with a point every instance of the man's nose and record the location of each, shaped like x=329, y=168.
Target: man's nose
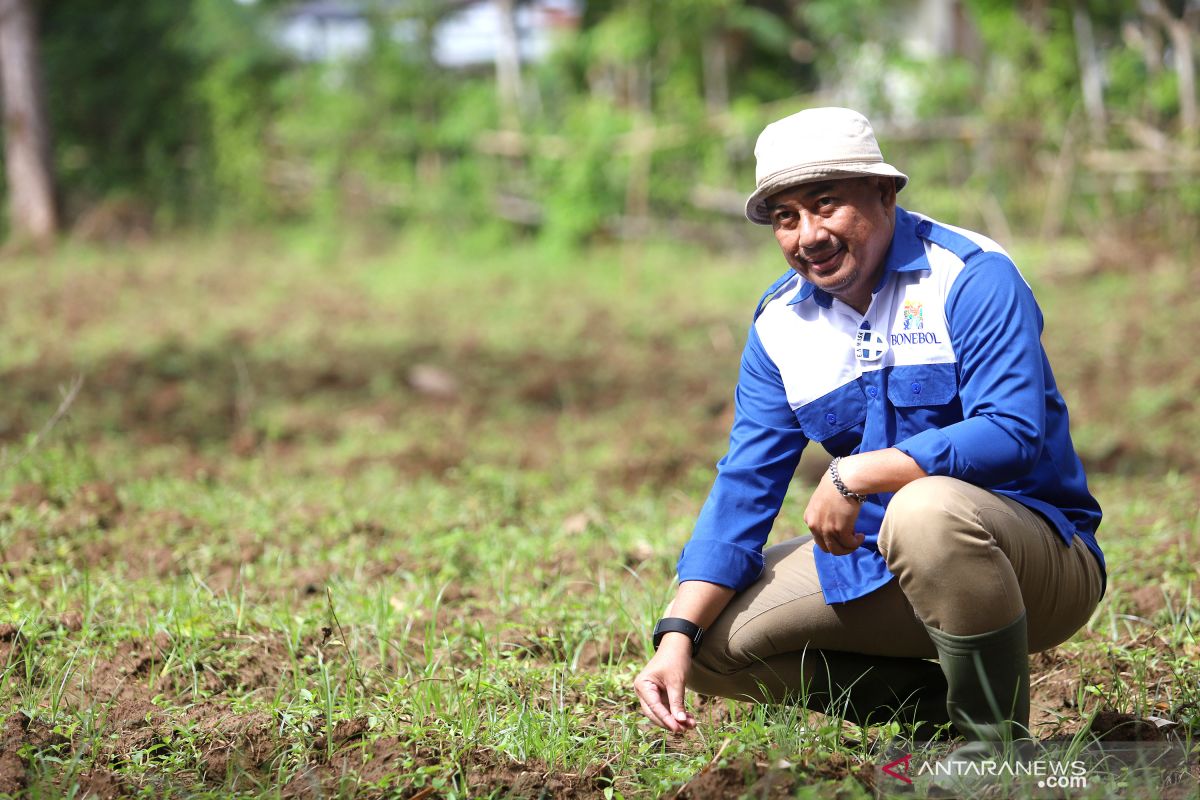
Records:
x=810, y=233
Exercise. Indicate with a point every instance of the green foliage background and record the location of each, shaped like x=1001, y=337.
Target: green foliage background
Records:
x=188, y=111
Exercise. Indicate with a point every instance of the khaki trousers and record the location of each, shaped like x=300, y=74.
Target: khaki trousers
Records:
x=965, y=561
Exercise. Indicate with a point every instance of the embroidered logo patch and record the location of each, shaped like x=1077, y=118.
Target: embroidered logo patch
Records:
x=869, y=345
x=914, y=316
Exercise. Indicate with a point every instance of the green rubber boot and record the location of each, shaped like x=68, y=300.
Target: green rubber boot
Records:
x=872, y=690
x=987, y=679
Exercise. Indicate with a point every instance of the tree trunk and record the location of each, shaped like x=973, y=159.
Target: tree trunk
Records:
x=1179, y=32
x=1185, y=68
x=1090, y=71
x=715, y=61
x=508, y=66
x=26, y=134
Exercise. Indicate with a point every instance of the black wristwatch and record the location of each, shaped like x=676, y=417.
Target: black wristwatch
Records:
x=678, y=625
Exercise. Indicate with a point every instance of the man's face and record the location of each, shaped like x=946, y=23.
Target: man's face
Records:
x=836, y=233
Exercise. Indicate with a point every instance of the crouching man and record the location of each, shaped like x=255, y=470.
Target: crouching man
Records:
x=954, y=521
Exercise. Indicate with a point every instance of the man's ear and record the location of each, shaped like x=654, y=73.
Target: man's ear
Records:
x=887, y=192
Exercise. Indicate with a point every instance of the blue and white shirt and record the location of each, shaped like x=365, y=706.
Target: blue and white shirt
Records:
x=946, y=366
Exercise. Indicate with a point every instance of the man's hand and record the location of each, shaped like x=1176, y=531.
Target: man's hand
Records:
x=660, y=685
x=831, y=519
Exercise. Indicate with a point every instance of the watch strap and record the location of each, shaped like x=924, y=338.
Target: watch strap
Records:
x=678, y=625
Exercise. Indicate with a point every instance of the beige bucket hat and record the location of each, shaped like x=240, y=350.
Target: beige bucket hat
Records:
x=815, y=144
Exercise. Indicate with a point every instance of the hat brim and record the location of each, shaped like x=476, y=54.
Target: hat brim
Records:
x=756, y=206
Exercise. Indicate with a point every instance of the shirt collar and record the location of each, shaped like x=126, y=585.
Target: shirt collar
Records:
x=905, y=254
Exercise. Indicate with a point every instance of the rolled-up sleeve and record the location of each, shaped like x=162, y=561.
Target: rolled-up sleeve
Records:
x=752, y=478
x=996, y=326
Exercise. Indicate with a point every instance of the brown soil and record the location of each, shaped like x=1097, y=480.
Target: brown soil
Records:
x=130, y=688
x=747, y=777
x=483, y=773
x=344, y=732
x=489, y=774
x=163, y=401
x=1113, y=726
x=1147, y=600
x=197, y=396
x=133, y=695
x=12, y=650
x=103, y=533
x=20, y=551
x=258, y=662
x=102, y=784
x=30, y=495
x=1054, y=684
x=21, y=733
x=595, y=653
x=94, y=505
x=371, y=763
x=246, y=741
x=718, y=782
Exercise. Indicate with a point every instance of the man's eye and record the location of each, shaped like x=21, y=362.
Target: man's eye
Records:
x=783, y=216
x=825, y=202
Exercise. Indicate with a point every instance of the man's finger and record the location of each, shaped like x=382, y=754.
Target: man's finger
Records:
x=647, y=713
x=675, y=696
x=848, y=541
x=644, y=699
x=654, y=700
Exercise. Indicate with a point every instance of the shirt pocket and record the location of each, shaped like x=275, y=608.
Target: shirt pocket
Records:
x=924, y=396
x=836, y=420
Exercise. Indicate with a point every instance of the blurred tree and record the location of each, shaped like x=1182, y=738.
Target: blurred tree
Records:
x=508, y=66
x=123, y=103
x=231, y=77
x=26, y=135
x=645, y=112
x=1180, y=26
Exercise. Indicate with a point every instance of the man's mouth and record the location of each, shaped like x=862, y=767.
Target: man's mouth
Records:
x=827, y=262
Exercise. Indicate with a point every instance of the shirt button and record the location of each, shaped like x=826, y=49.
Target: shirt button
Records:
x=831, y=418
x=916, y=387
x=872, y=391
x=924, y=227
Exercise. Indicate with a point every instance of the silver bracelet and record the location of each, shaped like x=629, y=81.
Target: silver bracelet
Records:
x=841, y=487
